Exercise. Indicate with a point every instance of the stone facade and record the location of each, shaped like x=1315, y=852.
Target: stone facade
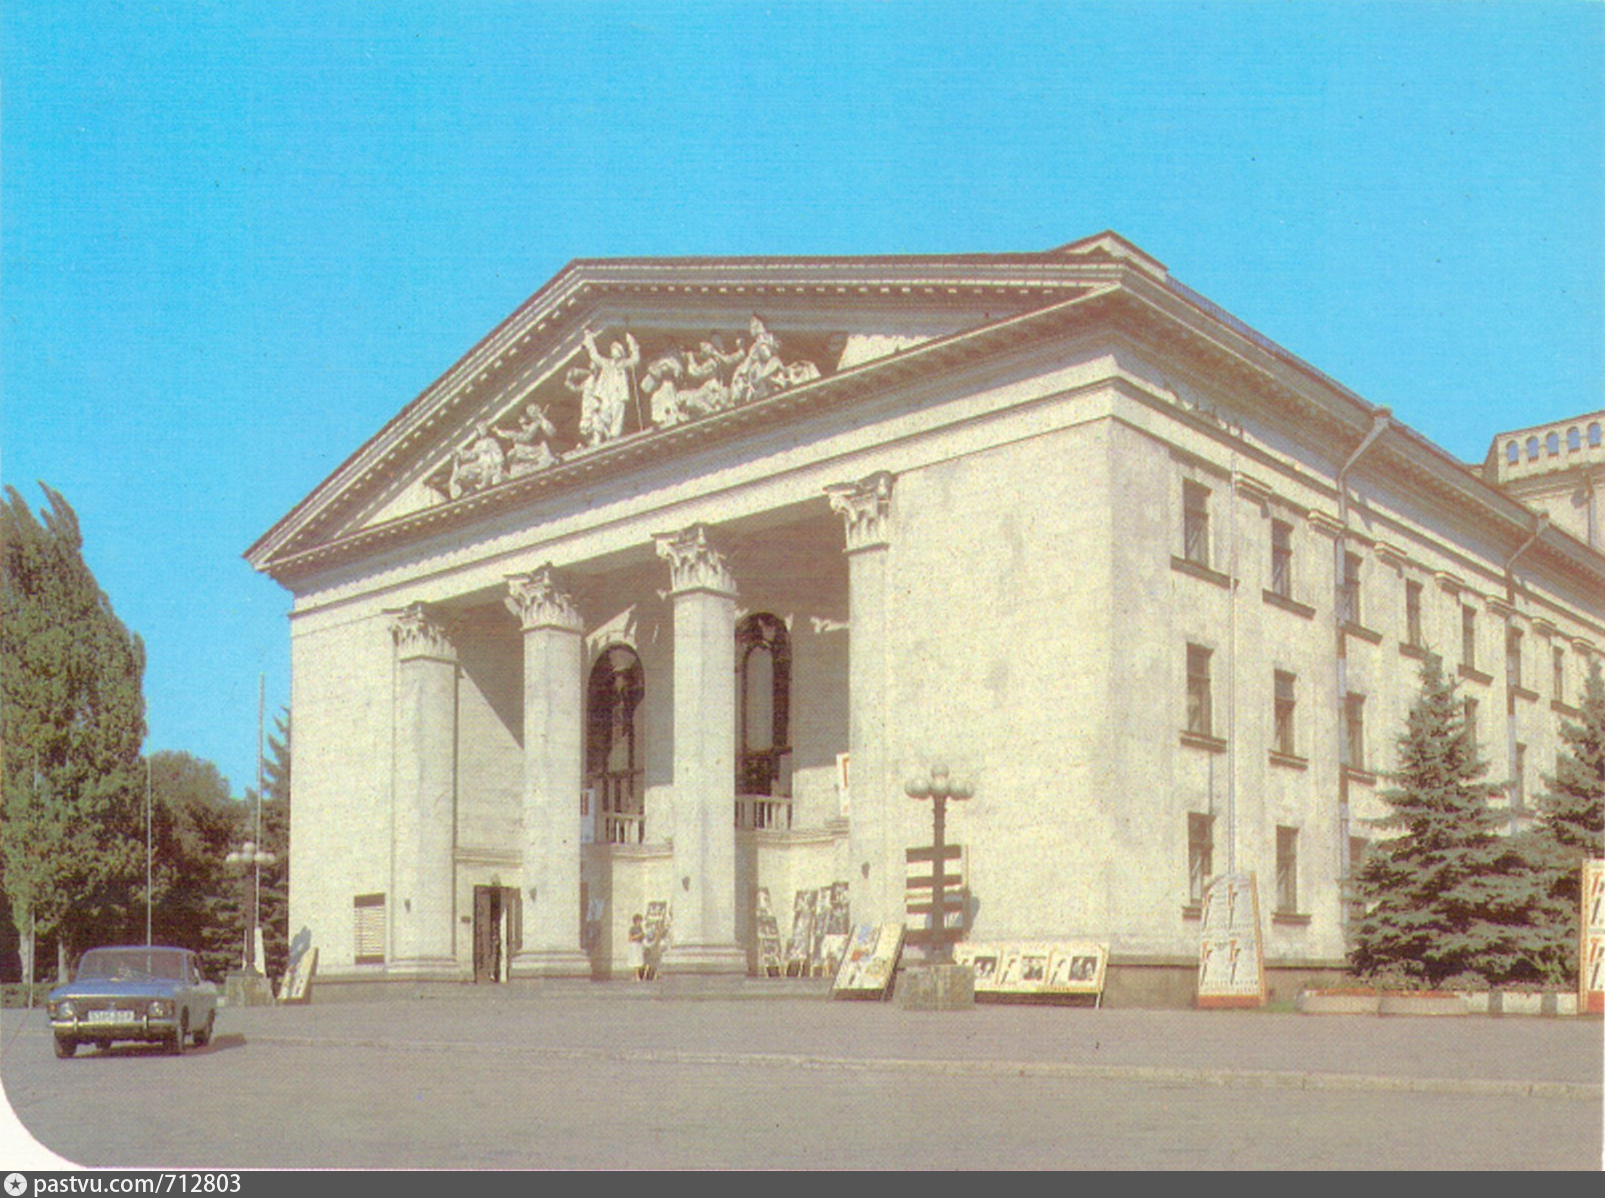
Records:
x=1158, y=589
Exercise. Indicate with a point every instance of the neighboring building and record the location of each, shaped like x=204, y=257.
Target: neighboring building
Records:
x=1559, y=469
x=1158, y=589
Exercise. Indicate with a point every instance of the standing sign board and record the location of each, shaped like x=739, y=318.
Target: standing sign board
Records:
x=1591, y=927
x=1231, y=962
x=871, y=959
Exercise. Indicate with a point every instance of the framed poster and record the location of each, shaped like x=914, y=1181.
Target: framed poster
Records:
x=1050, y=968
x=1231, y=964
x=770, y=962
x=1591, y=949
x=1077, y=968
x=297, y=986
x=799, y=949
x=869, y=961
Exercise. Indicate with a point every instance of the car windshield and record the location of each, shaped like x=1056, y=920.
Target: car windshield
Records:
x=132, y=963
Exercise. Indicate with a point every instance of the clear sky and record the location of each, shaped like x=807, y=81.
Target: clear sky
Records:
x=237, y=237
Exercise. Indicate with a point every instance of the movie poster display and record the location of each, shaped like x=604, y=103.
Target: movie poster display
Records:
x=820, y=928
x=1231, y=963
x=1591, y=933
x=771, y=963
x=1046, y=968
x=870, y=961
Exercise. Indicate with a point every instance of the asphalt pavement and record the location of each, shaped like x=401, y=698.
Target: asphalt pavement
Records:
x=581, y=1076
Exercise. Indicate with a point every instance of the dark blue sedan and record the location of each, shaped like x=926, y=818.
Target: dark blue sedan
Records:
x=138, y=993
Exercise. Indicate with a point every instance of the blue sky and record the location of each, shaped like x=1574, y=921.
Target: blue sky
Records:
x=237, y=237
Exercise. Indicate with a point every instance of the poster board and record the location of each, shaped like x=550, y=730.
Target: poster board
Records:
x=1046, y=968
x=770, y=961
x=297, y=985
x=656, y=928
x=1231, y=961
x=869, y=962
x=1591, y=947
x=821, y=924
x=799, y=947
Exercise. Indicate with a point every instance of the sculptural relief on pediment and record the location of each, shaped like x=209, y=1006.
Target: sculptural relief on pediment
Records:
x=616, y=388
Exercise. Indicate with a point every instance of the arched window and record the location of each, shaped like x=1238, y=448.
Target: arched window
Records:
x=763, y=670
x=1532, y=448
x=613, y=744
x=1513, y=453
x=1574, y=440
x=1552, y=444
x=1593, y=434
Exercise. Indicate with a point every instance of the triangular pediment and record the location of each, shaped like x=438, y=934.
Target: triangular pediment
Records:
x=610, y=353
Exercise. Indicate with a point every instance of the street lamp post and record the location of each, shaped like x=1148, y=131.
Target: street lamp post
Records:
x=249, y=857
x=939, y=788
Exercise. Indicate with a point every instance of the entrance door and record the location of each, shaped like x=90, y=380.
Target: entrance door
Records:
x=497, y=931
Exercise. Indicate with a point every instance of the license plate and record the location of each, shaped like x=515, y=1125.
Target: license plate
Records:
x=111, y=1017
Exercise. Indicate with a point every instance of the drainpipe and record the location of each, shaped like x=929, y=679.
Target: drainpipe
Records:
x=1381, y=420
x=1510, y=577
x=1539, y=524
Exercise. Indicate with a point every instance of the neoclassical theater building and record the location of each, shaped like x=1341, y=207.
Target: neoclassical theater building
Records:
x=667, y=591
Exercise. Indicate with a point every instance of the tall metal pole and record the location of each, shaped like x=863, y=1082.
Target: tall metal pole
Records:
x=147, y=852
x=256, y=897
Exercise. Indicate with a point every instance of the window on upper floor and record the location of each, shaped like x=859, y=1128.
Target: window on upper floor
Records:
x=1412, y=614
x=1199, y=714
x=1349, y=590
x=1513, y=639
x=1284, y=704
x=1282, y=558
x=1195, y=523
x=1468, y=711
x=1513, y=453
x=1286, y=870
x=1532, y=449
x=1557, y=667
x=1200, y=855
x=1354, y=731
x=1468, y=636
x=1552, y=444
x=1574, y=440
x=763, y=663
x=1518, y=779
x=1359, y=849
x=1593, y=435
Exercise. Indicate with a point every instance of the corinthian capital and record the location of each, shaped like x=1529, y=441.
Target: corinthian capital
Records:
x=538, y=602
x=417, y=633
x=695, y=565
x=864, y=505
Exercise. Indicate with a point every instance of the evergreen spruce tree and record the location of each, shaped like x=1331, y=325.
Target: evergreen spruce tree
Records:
x=275, y=914
x=1449, y=897
x=72, y=717
x=1572, y=825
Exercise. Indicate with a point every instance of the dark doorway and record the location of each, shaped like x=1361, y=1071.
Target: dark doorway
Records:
x=498, y=931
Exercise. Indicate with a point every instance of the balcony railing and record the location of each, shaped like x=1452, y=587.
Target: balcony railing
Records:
x=771, y=812
x=623, y=811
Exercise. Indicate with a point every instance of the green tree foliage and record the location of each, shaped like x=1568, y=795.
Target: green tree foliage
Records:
x=1448, y=897
x=196, y=902
x=1572, y=821
x=72, y=717
x=276, y=838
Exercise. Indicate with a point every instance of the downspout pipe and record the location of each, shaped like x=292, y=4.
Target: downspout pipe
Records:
x=1381, y=421
x=1539, y=525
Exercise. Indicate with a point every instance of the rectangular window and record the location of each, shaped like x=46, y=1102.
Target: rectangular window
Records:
x=1195, y=523
x=1286, y=870
x=1468, y=636
x=1282, y=558
x=1349, y=590
x=1354, y=731
x=1200, y=855
x=368, y=917
x=1470, y=707
x=1285, y=700
x=1558, y=668
x=1412, y=615
x=1513, y=657
x=1518, y=779
x=1198, y=691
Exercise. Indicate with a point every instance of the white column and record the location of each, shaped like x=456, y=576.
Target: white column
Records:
x=424, y=801
x=875, y=849
x=554, y=706
x=703, y=906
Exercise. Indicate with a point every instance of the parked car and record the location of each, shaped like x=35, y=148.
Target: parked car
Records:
x=134, y=993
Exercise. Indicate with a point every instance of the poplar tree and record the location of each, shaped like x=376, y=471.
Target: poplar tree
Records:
x=275, y=913
x=1448, y=898
x=196, y=903
x=72, y=717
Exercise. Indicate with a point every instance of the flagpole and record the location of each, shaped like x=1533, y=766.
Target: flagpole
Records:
x=147, y=852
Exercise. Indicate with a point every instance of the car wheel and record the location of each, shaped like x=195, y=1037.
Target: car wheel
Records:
x=202, y=1035
x=175, y=1040
x=65, y=1046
